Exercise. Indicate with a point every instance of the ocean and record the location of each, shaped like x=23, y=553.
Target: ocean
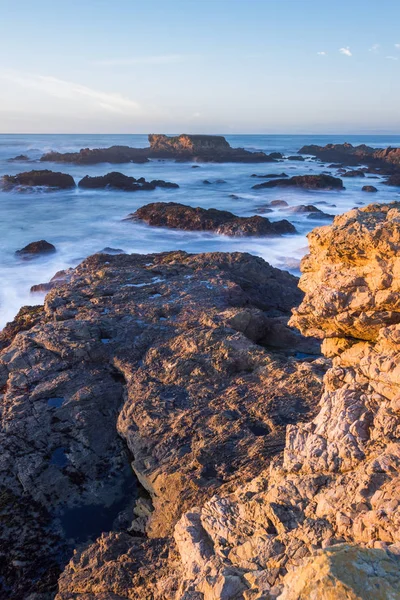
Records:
x=81, y=222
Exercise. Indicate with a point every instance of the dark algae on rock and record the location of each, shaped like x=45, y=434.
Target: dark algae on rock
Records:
x=180, y=216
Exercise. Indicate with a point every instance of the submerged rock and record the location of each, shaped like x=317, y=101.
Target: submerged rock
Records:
x=37, y=248
x=44, y=178
x=120, y=181
x=270, y=176
x=296, y=157
x=354, y=173
x=180, y=216
x=19, y=158
x=310, y=182
x=369, y=188
x=312, y=212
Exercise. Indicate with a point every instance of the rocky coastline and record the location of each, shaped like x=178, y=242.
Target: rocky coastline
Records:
x=171, y=430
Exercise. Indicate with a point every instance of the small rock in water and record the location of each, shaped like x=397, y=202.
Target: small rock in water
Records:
x=37, y=248
x=369, y=188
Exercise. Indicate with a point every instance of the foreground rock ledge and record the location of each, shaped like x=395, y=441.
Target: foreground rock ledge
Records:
x=181, y=366
x=322, y=520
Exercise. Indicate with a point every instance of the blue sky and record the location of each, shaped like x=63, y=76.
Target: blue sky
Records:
x=228, y=66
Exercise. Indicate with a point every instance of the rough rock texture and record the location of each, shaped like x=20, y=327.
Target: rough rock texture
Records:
x=354, y=173
x=345, y=572
x=181, y=366
x=43, y=178
x=310, y=182
x=180, y=216
x=120, y=181
x=36, y=248
x=207, y=148
x=202, y=148
x=338, y=479
x=313, y=212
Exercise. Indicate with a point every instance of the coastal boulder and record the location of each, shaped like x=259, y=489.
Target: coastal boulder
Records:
x=309, y=182
x=37, y=248
x=369, y=188
x=123, y=182
x=180, y=216
x=43, y=178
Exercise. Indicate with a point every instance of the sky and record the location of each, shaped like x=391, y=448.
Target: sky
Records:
x=200, y=66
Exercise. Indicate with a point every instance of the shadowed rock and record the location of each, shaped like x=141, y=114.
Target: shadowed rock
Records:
x=180, y=216
x=44, y=178
x=369, y=188
x=270, y=176
x=119, y=181
x=309, y=182
x=37, y=248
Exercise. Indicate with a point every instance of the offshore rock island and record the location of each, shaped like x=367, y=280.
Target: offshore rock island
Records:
x=201, y=148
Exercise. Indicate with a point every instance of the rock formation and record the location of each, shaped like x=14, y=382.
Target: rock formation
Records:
x=369, y=188
x=120, y=181
x=347, y=154
x=44, y=178
x=201, y=148
x=36, y=248
x=180, y=216
x=309, y=182
x=180, y=365
x=189, y=360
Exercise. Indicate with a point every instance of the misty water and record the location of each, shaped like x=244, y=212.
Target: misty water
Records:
x=81, y=222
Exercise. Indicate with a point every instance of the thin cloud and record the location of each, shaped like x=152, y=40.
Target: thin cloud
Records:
x=321, y=53
x=397, y=46
x=392, y=57
x=140, y=60
x=375, y=48
x=58, y=88
x=345, y=51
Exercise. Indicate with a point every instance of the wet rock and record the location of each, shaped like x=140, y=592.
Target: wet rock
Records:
x=369, y=188
x=276, y=155
x=19, y=158
x=393, y=180
x=36, y=248
x=119, y=181
x=109, y=250
x=347, y=154
x=312, y=212
x=276, y=203
x=180, y=216
x=88, y=156
x=41, y=178
x=270, y=176
x=310, y=182
x=354, y=173
x=296, y=157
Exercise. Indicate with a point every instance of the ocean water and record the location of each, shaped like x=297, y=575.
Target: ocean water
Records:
x=82, y=222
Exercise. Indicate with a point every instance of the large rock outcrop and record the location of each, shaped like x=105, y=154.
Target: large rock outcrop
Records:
x=180, y=216
x=347, y=154
x=202, y=148
x=338, y=479
x=180, y=367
